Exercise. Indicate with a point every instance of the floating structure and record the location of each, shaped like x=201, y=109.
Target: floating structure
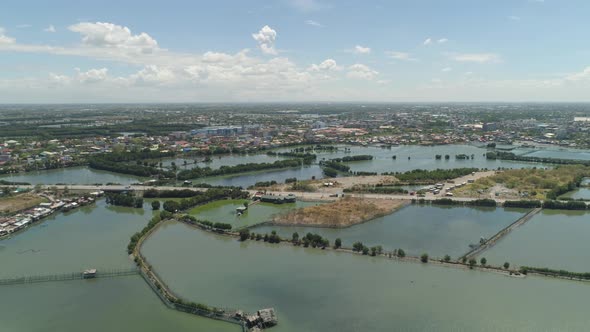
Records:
x=263, y=319
x=89, y=274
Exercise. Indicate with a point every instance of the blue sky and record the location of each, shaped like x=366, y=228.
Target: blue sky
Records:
x=294, y=50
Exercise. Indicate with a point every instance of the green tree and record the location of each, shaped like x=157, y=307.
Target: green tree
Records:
x=447, y=258
x=155, y=205
x=365, y=250
x=506, y=265
x=337, y=243
x=244, y=234
x=246, y=204
x=171, y=206
x=401, y=253
x=357, y=246
x=472, y=263
x=424, y=258
x=483, y=261
x=373, y=251
x=295, y=238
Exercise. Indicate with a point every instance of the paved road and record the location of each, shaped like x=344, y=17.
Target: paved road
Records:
x=305, y=196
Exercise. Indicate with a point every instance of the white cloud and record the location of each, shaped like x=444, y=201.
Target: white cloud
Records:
x=326, y=65
x=428, y=41
x=306, y=5
x=50, y=28
x=446, y=69
x=153, y=74
x=400, y=55
x=92, y=75
x=476, y=57
x=442, y=40
x=110, y=35
x=4, y=39
x=314, y=23
x=360, y=71
x=358, y=49
x=266, y=38
x=514, y=18
x=579, y=76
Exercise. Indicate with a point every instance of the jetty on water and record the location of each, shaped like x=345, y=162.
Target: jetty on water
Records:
x=87, y=274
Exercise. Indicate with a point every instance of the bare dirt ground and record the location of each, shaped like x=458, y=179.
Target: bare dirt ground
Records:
x=339, y=184
x=19, y=202
x=341, y=213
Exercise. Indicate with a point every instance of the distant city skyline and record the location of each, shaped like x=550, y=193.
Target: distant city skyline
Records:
x=294, y=51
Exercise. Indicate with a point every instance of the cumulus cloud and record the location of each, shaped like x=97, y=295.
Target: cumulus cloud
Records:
x=153, y=75
x=360, y=71
x=358, y=49
x=266, y=38
x=446, y=69
x=326, y=65
x=4, y=39
x=109, y=35
x=442, y=40
x=428, y=41
x=92, y=75
x=404, y=56
x=476, y=57
x=514, y=18
x=50, y=28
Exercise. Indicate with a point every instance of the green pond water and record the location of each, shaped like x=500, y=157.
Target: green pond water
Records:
x=435, y=230
x=118, y=304
x=580, y=193
x=220, y=160
x=92, y=236
x=71, y=175
x=225, y=211
x=559, y=154
x=554, y=239
x=315, y=290
x=421, y=157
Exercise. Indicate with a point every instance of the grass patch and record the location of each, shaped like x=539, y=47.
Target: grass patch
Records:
x=536, y=182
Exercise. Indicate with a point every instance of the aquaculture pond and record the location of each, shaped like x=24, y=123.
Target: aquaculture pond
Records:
x=315, y=290
x=279, y=175
x=92, y=236
x=225, y=211
x=554, y=239
x=216, y=161
x=118, y=304
x=417, y=229
x=71, y=175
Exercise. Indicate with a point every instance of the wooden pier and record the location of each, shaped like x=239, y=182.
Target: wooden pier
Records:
x=67, y=276
x=505, y=231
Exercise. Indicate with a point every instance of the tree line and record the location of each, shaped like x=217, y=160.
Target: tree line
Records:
x=199, y=172
x=124, y=199
x=178, y=193
x=432, y=175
